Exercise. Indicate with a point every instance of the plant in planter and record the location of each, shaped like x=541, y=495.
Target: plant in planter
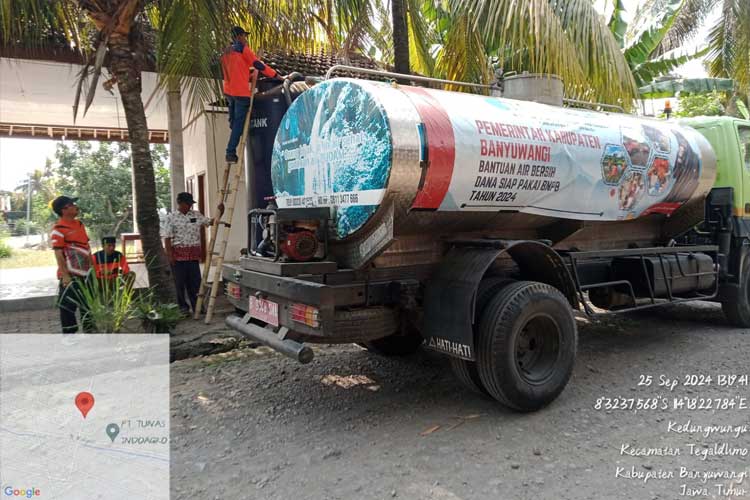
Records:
x=156, y=317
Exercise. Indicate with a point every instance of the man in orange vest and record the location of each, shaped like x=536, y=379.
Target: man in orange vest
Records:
x=110, y=264
x=236, y=63
x=71, y=245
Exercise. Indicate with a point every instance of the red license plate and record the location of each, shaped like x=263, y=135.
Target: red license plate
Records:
x=264, y=310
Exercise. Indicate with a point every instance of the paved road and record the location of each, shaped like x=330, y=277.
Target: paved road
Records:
x=252, y=424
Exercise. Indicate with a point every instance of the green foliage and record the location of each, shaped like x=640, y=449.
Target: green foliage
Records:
x=5, y=250
x=101, y=178
x=701, y=105
x=742, y=109
x=617, y=23
x=568, y=38
x=156, y=317
x=23, y=224
x=111, y=305
x=644, y=38
x=108, y=305
x=729, y=43
x=42, y=192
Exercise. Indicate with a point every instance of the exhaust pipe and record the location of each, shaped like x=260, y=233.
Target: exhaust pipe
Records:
x=287, y=347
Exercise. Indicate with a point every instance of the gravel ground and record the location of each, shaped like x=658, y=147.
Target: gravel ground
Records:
x=251, y=424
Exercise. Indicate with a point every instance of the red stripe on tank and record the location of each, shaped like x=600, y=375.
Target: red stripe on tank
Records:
x=662, y=208
x=441, y=148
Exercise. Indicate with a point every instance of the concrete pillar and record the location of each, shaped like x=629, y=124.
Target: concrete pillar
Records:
x=176, y=154
x=132, y=185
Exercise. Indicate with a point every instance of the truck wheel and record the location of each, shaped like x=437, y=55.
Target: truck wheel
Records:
x=395, y=345
x=737, y=310
x=466, y=371
x=526, y=346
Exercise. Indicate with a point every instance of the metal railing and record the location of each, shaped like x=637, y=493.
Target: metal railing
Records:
x=594, y=104
x=415, y=78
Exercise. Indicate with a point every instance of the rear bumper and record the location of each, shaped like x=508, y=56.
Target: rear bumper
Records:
x=285, y=292
x=352, y=312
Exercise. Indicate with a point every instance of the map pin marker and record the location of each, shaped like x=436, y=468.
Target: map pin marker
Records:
x=84, y=402
x=112, y=431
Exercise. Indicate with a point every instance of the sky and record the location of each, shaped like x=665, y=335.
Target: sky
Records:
x=19, y=157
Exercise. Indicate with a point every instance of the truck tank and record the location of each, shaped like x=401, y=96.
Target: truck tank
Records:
x=442, y=164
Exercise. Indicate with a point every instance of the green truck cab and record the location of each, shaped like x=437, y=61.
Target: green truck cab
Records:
x=727, y=211
x=730, y=139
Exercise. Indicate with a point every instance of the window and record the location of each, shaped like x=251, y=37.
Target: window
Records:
x=744, y=133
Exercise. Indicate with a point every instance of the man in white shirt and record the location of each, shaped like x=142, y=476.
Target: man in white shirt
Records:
x=183, y=246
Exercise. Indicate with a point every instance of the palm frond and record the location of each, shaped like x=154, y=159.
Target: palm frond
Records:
x=563, y=37
x=618, y=25
x=188, y=48
x=463, y=56
x=652, y=69
x=729, y=43
x=38, y=24
x=640, y=49
x=421, y=38
x=686, y=25
x=605, y=71
x=721, y=54
x=382, y=39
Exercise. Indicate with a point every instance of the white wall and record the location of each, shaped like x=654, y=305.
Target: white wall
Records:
x=205, y=143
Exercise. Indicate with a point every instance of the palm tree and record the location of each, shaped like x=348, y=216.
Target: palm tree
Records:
x=728, y=42
x=651, y=42
x=568, y=38
x=400, y=36
x=111, y=34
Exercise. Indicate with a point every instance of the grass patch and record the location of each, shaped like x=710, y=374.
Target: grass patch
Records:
x=24, y=257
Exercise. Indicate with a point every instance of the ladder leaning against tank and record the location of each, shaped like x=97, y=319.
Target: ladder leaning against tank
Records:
x=227, y=195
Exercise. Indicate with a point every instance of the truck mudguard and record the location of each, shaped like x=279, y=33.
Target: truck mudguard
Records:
x=450, y=293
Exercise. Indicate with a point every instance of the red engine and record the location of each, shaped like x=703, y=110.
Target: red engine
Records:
x=300, y=245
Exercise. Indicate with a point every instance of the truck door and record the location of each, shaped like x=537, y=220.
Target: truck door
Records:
x=743, y=133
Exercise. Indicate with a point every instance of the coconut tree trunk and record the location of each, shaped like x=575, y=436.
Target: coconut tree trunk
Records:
x=126, y=69
x=731, y=108
x=400, y=37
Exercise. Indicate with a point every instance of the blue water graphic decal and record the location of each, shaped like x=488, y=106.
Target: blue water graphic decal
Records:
x=333, y=148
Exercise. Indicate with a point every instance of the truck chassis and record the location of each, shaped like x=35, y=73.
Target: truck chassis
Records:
x=502, y=310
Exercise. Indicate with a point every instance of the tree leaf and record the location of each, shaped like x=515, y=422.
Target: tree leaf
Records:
x=640, y=51
x=618, y=25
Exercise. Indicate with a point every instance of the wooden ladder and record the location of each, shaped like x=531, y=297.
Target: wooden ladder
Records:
x=228, y=195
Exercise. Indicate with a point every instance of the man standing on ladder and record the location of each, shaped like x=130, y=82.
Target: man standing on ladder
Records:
x=236, y=63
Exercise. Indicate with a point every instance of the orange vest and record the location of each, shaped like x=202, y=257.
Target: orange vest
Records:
x=236, y=67
x=110, y=266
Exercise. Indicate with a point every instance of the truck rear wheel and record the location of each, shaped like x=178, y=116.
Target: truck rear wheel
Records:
x=737, y=310
x=526, y=345
x=466, y=371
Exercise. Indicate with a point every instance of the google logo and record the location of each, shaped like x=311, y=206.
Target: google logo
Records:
x=20, y=492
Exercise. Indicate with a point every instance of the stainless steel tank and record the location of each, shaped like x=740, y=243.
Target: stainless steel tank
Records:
x=449, y=163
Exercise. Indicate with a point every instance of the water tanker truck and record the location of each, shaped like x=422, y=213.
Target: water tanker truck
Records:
x=478, y=226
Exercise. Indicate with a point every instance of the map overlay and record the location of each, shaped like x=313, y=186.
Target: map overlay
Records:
x=84, y=416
